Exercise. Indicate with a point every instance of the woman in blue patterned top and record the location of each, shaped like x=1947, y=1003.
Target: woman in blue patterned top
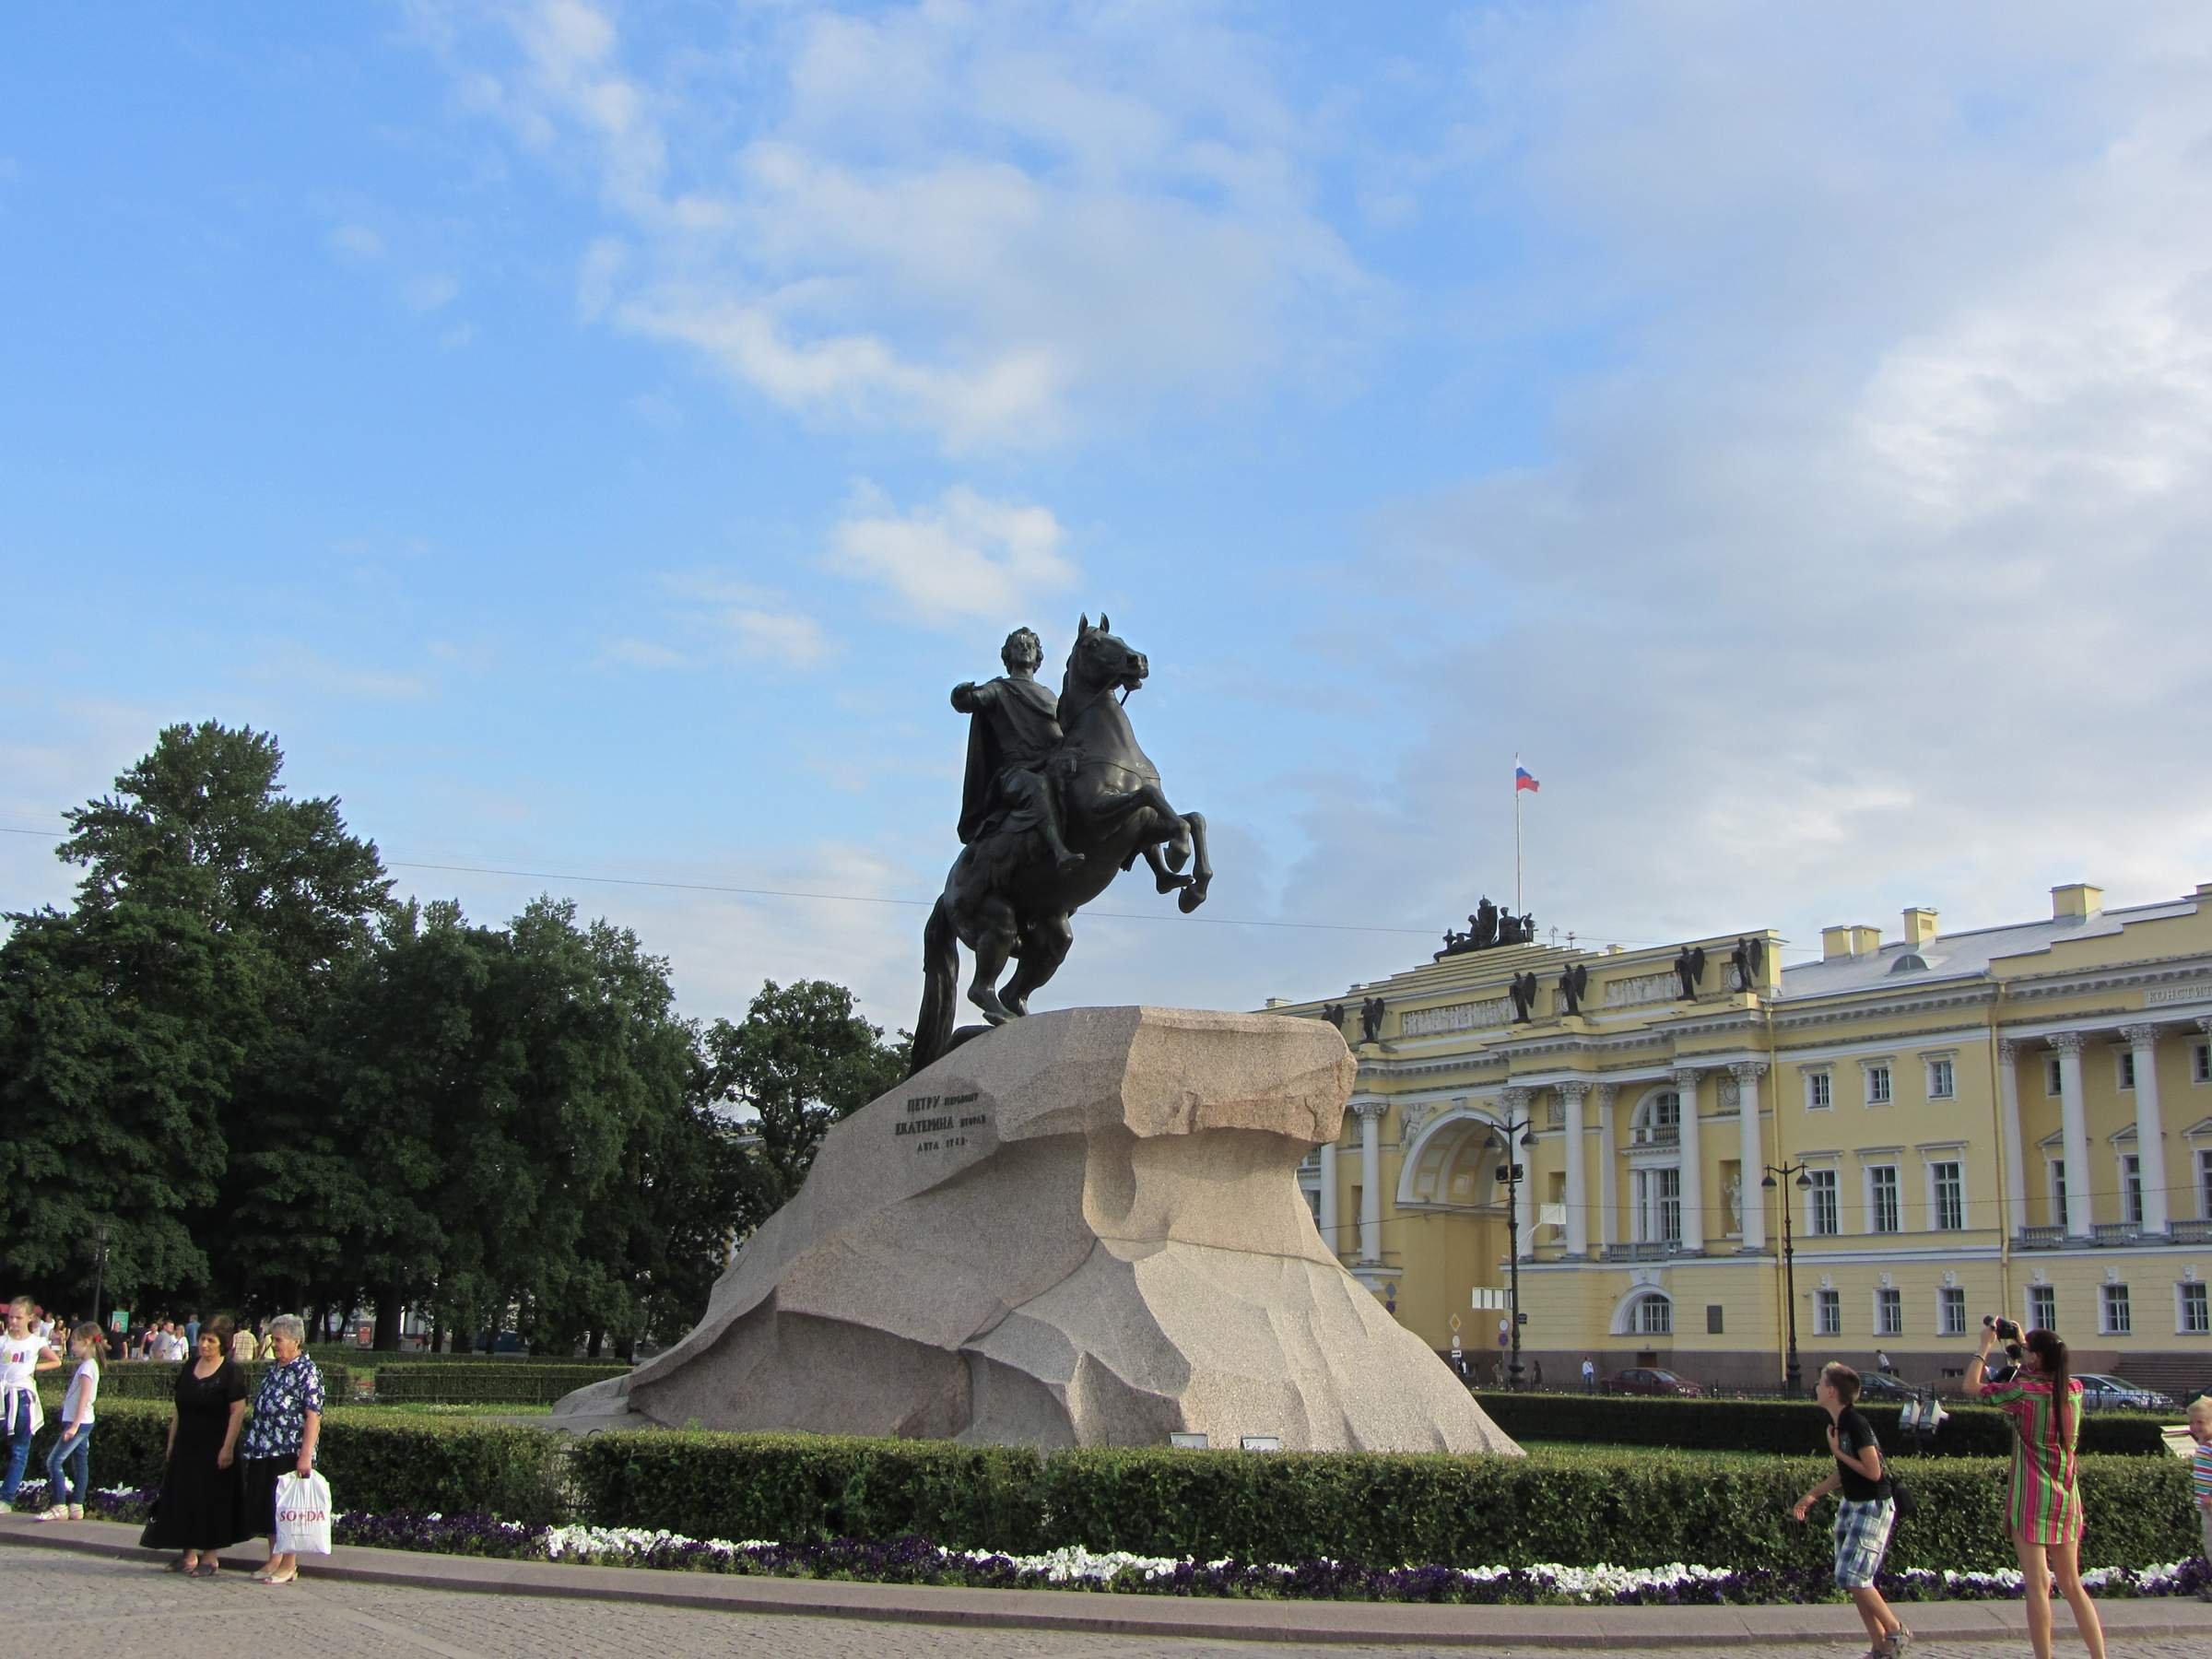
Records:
x=288, y=1420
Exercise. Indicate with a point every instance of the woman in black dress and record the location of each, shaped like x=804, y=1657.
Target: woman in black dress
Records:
x=202, y=1505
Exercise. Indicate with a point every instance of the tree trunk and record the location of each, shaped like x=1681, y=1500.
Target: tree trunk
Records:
x=625, y=1347
x=437, y=1333
x=386, y=1340
x=592, y=1350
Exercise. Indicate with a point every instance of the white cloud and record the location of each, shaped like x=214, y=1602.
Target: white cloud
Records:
x=967, y=555
x=354, y=241
x=991, y=225
x=641, y=654
x=729, y=620
x=430, y=292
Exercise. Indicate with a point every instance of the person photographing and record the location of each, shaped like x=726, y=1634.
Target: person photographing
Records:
x=2043, y=1499
x=1865, y=1512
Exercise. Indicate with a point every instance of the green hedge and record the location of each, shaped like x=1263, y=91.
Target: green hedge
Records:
x=1787, y=1427
x=1635, y=1509
x=148, y=1379
x=519, y=1384
x=379, y=1358
x=374, y=1461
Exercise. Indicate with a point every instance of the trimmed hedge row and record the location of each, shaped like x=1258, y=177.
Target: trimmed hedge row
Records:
x=381, y=1357
x=375, y=1460
x=152, y=1380
x=1637, y=1509
x=1786, y=1427
x=509, y=1385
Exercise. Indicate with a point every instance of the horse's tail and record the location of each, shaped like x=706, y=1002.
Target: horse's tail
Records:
x=940, y=982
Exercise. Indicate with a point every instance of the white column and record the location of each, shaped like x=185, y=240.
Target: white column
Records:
x=1371, y=1178
x=2008, y=1124
x=1608, y=1173
x=2150, y=1127
x=2074, y=1111
x=1749, y=1152
x=1578, y=1188
x=1516, y=1104
x=1329, y=1217
x=1693, y=1161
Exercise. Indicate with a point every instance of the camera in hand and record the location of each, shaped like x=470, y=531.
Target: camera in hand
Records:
x=2007, y=1330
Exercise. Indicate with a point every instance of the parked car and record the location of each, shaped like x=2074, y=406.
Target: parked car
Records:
x=2102, y=1392
x=1649, y=1380
x=1878, y=1385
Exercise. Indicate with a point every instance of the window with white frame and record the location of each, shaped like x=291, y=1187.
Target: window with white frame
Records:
x=1950, y=1311
x=2054, y=1079
x=1657, y=1194
x=1947, y=1178
x=2118, y=1321
x=1817, y=1091
x=2043, y=1308
x=2124, y=1067
x=1888, y=1312
x=1877, y=1083
x=2131, y=1189
x=1884, y=1214
x=1651, y=1316
x=1828, y=1312
x=2058, y=1192
x=2192, y=1311
x=1821, y=1213
x=2204, y=1184
x=1942, y=1082
x=2200, y=1062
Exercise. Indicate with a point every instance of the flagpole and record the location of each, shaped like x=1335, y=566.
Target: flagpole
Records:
x=1516, y=833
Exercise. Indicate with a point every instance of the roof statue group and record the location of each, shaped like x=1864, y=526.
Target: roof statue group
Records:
x=1489, y=927
x=1058, y=799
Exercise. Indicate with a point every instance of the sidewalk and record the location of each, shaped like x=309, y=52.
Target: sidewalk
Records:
x=1079, y=1612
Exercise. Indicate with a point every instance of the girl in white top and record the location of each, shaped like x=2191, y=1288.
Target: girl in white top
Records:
x=73, y=1446
x=23, y=1353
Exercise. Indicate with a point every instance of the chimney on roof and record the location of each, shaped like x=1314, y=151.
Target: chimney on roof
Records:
x=1848, y=942
x=1920, y=924
x=2076, y=901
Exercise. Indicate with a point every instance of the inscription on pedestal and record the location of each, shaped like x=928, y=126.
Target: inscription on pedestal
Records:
x=939, y=1118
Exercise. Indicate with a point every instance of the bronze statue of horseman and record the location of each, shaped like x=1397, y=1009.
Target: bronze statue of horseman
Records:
x=1058, y=799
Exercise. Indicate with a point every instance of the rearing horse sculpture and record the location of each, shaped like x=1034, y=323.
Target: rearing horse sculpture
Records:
x=1007, y=895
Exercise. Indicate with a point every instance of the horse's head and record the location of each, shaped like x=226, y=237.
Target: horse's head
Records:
x=1101, y=660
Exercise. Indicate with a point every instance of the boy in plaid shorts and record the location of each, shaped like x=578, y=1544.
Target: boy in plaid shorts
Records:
x=1864, y=1514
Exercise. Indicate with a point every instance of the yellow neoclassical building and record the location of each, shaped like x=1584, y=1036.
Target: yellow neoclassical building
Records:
x=2016, y=1120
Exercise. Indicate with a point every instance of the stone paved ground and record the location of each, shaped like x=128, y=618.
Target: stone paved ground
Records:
x=106, y=1605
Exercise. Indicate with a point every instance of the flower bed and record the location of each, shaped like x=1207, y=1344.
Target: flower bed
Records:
x=914, y=1561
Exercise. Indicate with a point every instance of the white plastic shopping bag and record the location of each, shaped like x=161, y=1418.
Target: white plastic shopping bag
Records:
x=303, y=1515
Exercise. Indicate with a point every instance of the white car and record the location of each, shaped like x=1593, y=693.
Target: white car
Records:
x=2102, y=1392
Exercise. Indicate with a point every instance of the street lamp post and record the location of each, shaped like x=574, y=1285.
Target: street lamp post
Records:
x=1509, y=1172
x=99, y=1270
x=1776, y=1174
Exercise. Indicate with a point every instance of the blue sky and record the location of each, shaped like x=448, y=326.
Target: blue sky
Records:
x=594, y=437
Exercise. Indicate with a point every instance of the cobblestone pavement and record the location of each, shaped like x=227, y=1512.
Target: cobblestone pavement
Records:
x=107, y=1605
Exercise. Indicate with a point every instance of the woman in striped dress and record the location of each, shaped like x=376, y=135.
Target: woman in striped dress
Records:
x=2044, y=1511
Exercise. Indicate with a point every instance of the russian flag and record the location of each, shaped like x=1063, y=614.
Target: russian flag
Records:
x=1521, y=779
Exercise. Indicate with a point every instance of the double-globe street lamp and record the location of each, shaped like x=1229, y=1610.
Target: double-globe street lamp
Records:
x=1776, y=1174
x=1509, y=1172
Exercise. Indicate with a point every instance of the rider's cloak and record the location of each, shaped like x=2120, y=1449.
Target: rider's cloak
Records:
x=1016, y=723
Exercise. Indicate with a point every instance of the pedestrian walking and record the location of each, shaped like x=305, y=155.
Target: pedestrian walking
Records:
x=23, y=1354
x=73, y=1446
x=2043, y=1509
x=2200, y=1476
x=1535, y=1373
x=201, y=1509
x=1589, y=1374
x=288, y=1421
x=1866, y=1509
x=243, y=1348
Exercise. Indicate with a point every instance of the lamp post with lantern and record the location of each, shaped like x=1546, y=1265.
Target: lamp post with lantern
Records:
x=1508, y=1170
x=1776, y=1174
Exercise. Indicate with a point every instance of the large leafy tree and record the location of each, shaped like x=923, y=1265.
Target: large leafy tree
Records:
x=801, y=1059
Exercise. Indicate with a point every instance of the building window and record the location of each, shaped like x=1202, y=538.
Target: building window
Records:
x=1658, y=1194
x=1828, y=1312
x=1821, y=1215
x=1654, y=1316
x=2131, y=1189
x=1941, y=1084
x=1950, y=1196
x=2054, y=1079
x=2043, y=1308
x=1816, y=1095
x=2127, y=1067
x=1951, y=1304
x=1877, y=1085
x=1713, y=1319
x=2195, y=1318
x=1883, y=1214
x=2204, y=1184
x=2117, y=1319
x=2200, y=1064
x=1888, y=1312
x=2058, y=1192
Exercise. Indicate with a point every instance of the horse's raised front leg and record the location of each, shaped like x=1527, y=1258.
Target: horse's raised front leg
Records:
x=1163, y=875
x=1202, y=867
x=994, y=935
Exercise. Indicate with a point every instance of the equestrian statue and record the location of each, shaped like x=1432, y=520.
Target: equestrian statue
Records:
x=1057, y=800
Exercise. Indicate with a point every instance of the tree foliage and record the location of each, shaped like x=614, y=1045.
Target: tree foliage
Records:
x=276, y=1086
